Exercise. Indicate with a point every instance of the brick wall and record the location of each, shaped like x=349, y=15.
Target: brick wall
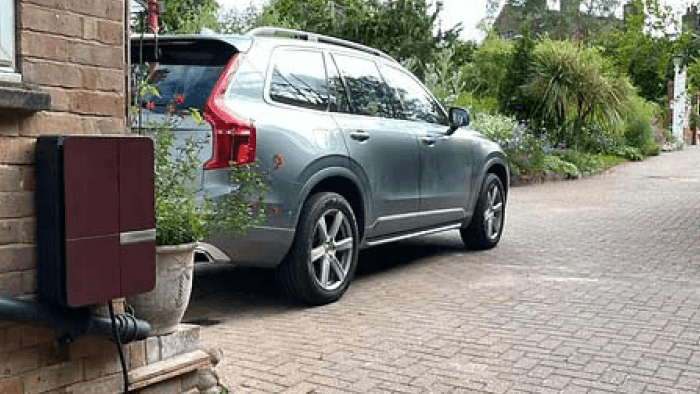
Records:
x=74, y=51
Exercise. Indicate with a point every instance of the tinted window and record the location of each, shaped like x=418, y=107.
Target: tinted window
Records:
x=193, y=83
x=369, y=94
x=417, y=103
x=299, y=78
x=340, y=102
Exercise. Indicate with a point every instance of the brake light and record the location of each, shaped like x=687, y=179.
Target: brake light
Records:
x=233, y=138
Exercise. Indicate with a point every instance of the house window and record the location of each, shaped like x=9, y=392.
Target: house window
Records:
x=7, y=42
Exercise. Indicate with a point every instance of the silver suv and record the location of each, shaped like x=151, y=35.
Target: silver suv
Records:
x=356, y=150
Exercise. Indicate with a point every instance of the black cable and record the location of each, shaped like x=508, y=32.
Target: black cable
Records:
x=118, y=342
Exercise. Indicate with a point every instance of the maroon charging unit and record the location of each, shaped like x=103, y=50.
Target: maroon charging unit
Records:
x=95, y=218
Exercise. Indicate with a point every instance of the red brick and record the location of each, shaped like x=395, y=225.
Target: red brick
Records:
x=89, y=27
x=53, y=377
x=55, y=4
x=111, y=80
x=9, y=340
x=137, y=354
x=110, y=32
x=53, y=123
x=17, y=258
x=18, y=361
x=17, y=150
x=48, y=354
x=97, y=55
x=97, y=367
x=90, y=346
x=71, y=76
x=41, y=72
x=27, y=232
x=45, y=46
x=50, y=20
x=11, y=386
x=9, y=231
x=16, y=204
x=90, y=77
x=60, y=99
x=8, y=123
x=29, y=282
x=111, y=126
x=115, y=10
x=107, y=385
x=94, y=103
x=10, y=178
x=10, y=284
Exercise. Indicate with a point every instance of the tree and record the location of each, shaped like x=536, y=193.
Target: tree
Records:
x=642, y=48
x=234, y=21
x=401, y=28
x=570, y=82
x=578, y=19
x=189, y=16
x=512, y=99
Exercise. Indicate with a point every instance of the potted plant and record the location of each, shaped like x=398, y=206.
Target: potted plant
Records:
x=183, y=218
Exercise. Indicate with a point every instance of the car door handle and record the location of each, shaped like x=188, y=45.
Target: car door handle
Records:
x=359, y=135
x=429, y=140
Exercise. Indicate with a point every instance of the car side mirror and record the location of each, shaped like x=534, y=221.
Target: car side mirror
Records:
x=458, y=117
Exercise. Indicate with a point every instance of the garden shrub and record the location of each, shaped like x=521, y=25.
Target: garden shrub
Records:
x=497, y=128
x=585, y=162
x=556, y=164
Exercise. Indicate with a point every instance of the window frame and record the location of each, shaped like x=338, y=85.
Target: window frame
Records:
x=8, y=44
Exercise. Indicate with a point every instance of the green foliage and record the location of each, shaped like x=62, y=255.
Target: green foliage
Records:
x=401, y=28
x=512, y=99
x=642, y=49
x=637, y=130
x=177, y=215
x=189, y=16
x=486, y=75
x=584, y=162
x=573, y=86
x=476, y=104
x=234, y=21
x=497, y=128
x=182, y=217
x=609, y=161
x=557, y=165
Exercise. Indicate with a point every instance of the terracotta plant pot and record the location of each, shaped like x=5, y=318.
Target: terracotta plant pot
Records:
x=164, y=306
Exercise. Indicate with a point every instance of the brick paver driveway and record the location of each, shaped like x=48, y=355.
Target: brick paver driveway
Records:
x=595, y=287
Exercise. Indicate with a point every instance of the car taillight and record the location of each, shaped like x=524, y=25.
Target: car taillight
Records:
x=233, y=138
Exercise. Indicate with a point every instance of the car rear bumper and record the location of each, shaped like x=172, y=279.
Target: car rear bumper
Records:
x=261, y=247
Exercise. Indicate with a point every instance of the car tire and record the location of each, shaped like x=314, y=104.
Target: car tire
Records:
x=486, y=227
x=323, y=257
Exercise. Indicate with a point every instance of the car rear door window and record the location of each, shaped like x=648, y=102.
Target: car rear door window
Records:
x=181, y=85
x=369, y=94
x=417, y=103
x=299, y=78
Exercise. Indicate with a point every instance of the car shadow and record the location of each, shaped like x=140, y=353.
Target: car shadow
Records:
x=221, y=292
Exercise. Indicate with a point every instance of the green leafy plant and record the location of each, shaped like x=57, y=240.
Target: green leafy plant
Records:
x=182, y=214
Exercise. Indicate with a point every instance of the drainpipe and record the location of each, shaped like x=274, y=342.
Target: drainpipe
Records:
x=70, y=323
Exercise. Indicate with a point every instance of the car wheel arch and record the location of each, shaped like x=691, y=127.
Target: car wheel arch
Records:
x=341, y=181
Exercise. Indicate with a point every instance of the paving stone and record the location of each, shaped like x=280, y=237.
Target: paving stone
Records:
x=593, y=289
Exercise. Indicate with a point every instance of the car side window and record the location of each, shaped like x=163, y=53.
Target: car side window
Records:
x=299, y=79
x=369, y=94
x=339, y=102
x=418, y=104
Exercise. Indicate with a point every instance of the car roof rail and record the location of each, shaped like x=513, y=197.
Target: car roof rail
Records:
x=313, y=37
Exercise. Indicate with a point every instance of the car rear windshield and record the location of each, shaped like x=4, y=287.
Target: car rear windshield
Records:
x=183, y=71
x=185, y=86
